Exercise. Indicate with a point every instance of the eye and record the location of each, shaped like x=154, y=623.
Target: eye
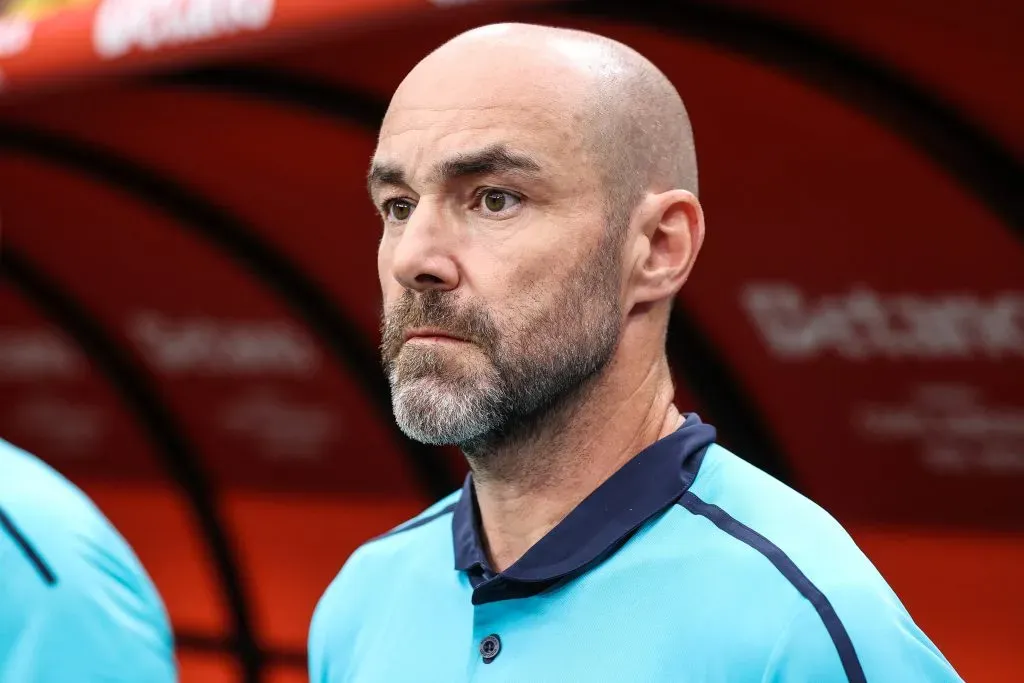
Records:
x=398, y=210
x=496, y=202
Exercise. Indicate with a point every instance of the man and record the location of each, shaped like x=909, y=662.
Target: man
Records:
x=75, y=604
x=537, y=189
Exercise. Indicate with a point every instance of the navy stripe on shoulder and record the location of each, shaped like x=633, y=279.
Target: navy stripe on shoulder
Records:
x=724, y=521
x=31, y=554
x=447, y=510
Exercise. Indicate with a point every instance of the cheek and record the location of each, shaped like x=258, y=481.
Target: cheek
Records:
x=384, y=259
x=507, y=276
x=391, y=290
x=546, y=271
x=528, y=290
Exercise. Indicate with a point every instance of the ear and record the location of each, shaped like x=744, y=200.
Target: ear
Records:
x=670, y=235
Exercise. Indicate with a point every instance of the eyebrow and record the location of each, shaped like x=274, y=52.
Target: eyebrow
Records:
x=489, y=160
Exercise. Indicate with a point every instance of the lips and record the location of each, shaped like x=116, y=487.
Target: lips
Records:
x=431, y=333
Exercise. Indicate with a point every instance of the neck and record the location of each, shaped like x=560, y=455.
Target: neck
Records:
x=528, y=483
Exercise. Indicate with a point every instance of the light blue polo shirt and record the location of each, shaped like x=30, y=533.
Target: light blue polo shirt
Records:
x=75, y=604
x=688, y=564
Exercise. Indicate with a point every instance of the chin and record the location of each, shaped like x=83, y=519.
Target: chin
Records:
x=434, y=412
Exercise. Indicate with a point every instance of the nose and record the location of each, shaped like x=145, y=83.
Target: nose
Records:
x=422, y=257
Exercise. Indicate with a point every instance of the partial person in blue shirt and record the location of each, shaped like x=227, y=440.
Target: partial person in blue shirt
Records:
x=75, y=603
x=538, y=194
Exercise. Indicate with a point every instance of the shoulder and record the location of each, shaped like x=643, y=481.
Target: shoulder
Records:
x=421, y=540
x=76, y=578
x=52, y=515
x=42, y=498
x=840, y=620
x=789, y=529
x=419, y=544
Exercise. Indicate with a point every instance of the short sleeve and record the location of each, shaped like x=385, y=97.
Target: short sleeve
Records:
x=97, y=622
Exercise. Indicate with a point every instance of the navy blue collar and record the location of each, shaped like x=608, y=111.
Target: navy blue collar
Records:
x=643, y=487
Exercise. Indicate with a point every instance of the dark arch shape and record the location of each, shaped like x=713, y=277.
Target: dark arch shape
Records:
x=972, y=157
x=690, y=352
x=244, y=247
x=179, y=457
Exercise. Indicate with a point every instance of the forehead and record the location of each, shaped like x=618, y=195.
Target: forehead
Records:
x=493, y=102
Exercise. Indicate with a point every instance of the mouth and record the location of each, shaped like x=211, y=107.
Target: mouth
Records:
x=430, y=334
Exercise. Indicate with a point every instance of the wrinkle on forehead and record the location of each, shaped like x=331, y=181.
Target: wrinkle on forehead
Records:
x=500, y=120
x=478, y=107
x=405, y=116
x=422, y=134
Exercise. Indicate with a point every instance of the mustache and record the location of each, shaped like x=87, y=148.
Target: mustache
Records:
x=435, y=309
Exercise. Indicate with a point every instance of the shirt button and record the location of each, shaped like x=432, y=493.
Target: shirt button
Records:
x=490, y=647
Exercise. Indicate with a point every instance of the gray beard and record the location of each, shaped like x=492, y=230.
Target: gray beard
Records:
x=502, y=404
x=434, y=409
x=532, y=369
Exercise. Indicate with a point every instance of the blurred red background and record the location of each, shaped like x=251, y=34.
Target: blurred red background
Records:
x=188, y=308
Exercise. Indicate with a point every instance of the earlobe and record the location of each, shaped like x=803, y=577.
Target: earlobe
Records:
x=675, y=232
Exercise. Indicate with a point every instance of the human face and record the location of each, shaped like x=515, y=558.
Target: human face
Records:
x=500, y=278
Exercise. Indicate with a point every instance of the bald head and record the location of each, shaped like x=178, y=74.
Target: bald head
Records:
x=628, y=117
